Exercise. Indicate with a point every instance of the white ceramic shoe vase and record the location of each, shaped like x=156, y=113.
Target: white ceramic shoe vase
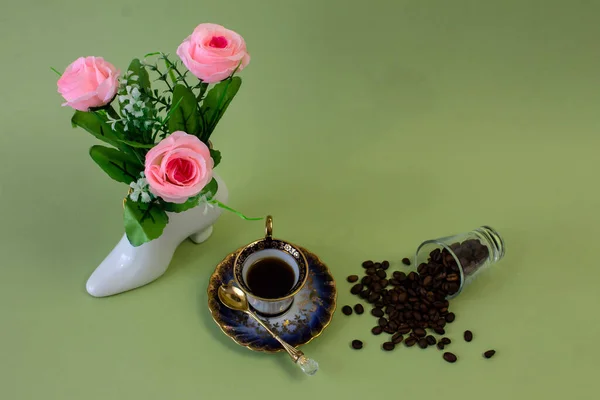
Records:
x=128, y=267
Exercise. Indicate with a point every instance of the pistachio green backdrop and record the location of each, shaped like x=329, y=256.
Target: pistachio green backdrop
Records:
x=364, y=127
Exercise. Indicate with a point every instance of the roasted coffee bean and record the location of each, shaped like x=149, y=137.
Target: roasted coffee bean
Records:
x=440, y=331
x=366, y=280
x=404, y=329
x=377, y=312
x=347, y=310
x=489, y=353
x=452, y=278
x=450, y=317
x=403, y=297
x=359, y=309
x=352, y=278
x=356, y=288
x=376, y=330
x=440, y=346
x=468, y=336
x=389, y=330
x=412, y=276
x=394, y=282
x=365, y=293
x=367, y=264
x=397, y=338
x=388, y=346
x=423, y=343
x=371, y=271
x=385, y=264
x=393, y=326
x=382, y=322
x=373, y=297
x=381, y=274
x=357, y=344
x=428, y=280
x=384, y=283
x=410, y=342
x=377, y=265
x=399, y=275
x=445, y=340
x=406, y=261
x=376, y=287
x=431, y=340
x=451, y=358
x=419, y=332
x=421, y=269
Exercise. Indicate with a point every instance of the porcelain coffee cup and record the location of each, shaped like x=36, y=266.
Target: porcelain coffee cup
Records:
x=269, y=247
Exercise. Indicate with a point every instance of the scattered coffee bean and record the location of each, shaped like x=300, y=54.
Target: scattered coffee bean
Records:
x=367, y=264
x=352, y=278
x=347, y=310
x=404, y=330
x=419, y=332
x=489, y=353
x=451, y=358
x=389, y=330
x=431, y=340
x=357, y=344
x=406, y=261
x=389, y=346
x=440, y=331
x=366, y=280
x=377, y=330
x=373, y=297
x=423, y=343
x=377, y=312
x=445, y=340
x=440, y=346
x=450, y=317
x=371, y=271
x=468, y=336
x=385, y=265
x=359, y=309
x=397, y=338
x=381, y=274
x=365, y=294
x=410, y=342
x=382, y=322
x=356, y=288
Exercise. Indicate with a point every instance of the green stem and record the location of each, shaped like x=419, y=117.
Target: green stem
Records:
x=112, y=112
x=236, y=212
x=59, y=74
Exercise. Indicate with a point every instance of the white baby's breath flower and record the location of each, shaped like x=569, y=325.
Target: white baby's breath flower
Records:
x=140, y=188
x=205, y=200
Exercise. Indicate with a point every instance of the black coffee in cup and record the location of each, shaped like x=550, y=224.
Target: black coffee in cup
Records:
x=270, y=278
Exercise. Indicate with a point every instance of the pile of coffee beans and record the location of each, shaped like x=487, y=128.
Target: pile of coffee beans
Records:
x=408, y=304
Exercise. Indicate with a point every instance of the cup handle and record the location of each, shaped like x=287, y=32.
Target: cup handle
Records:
x=269, y=227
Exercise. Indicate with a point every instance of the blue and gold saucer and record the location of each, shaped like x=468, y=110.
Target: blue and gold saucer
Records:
x=306, y=319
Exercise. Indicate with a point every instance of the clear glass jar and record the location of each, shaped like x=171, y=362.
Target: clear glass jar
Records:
x=472, y=252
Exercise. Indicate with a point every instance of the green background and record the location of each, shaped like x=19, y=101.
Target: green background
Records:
x=364, y=127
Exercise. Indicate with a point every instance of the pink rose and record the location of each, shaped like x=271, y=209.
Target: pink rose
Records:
x=212, y=53
x=88, y=82
x=178, y=167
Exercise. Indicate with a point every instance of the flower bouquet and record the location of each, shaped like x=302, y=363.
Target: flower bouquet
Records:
x=157, y=119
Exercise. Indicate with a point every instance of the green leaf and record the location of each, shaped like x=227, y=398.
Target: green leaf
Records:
x=119, y=166
x=96, y=124
x=185, y=117
x=139, y=70
x=143, y=222
x=216, y=102
x=137, y=145
x=209, y=191
x=216, y=156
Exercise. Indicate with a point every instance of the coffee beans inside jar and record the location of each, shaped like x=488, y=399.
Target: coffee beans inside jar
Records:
x=412, y=306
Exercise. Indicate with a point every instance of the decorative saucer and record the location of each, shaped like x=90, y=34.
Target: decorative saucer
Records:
x=308, y=316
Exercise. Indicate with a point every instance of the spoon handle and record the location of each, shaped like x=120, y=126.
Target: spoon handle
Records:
x=307, y=365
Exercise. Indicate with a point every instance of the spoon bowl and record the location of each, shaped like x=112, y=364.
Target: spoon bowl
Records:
x=233, y=297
